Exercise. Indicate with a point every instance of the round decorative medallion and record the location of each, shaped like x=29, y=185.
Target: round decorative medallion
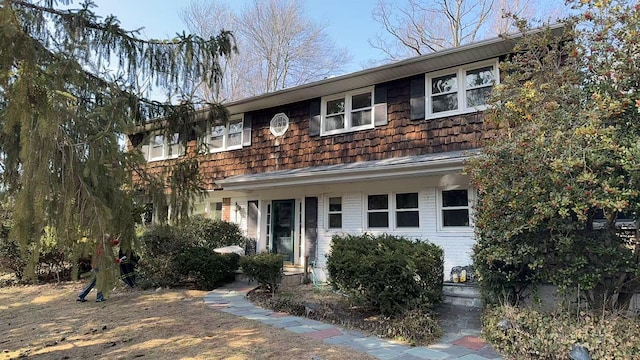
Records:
x=279, y=124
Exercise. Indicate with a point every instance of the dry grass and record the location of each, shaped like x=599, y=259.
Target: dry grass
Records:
x=45, y=322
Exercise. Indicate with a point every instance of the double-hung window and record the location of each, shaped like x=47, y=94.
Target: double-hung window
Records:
x=335, y=213
x=455, y=207
x=346, y=112
x=161, y=147
x=403, y=206
x=460, y=90
x=407, y=214
x=225, y=136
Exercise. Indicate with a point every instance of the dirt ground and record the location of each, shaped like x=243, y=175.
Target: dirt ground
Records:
x=45, y=322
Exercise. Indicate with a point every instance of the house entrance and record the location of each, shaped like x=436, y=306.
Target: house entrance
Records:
x=283, y=225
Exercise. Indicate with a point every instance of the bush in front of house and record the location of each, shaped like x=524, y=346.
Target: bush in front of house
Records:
x=171, y=255
x=159, y=247
x=389, y=273
x=526, y=333
x=207, y=268
x=264, y=268
x=212, y=233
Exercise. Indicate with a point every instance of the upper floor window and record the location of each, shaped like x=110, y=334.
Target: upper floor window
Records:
x=347, y=112
x=460, y=90
x=160, y=147
x=455, y=207
x=225, y=136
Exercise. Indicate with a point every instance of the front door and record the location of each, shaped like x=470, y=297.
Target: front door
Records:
x=282, y=223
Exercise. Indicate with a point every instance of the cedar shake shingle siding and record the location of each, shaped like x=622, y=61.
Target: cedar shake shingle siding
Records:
x=297, y=149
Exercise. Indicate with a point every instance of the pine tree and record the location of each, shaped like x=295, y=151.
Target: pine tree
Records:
x=68, y=92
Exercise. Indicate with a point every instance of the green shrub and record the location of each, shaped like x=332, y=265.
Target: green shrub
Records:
x=159, y=247
x=391, y=274
x=525, y=333
x=208, y=268
x=212, y=233
x=264, y=268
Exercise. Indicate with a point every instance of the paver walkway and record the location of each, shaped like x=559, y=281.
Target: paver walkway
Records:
x=461, y=339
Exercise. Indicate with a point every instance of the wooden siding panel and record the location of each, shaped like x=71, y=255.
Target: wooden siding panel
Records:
x=298, y=149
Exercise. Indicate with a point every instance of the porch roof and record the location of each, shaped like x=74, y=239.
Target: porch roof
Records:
x=402, y=167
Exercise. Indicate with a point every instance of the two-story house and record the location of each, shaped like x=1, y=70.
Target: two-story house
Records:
x=380, y=151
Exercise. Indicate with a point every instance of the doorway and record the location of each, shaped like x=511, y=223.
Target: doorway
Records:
x=283, y=225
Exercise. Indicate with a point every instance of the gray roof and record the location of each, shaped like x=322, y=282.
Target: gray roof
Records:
x=420, y=165
x=447, y=58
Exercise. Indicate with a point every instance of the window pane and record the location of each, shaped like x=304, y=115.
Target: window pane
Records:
x=477, y=97
x=335, y=221
x=407, y=201
x=407, y=219
x=480, y=77
x=455, y=198
x=361, y=101
x=444, y=84
x=335, y=106
x=378, y=202
x=378, y=219
x=157, y=145
x=455, y=217
x=217, y=130
x=234, y=139
x=216, y=142
x=174, y=150
x=335, y=204
x=334, y=122
x=444, y=102
x=360, y=118
x=235, y=127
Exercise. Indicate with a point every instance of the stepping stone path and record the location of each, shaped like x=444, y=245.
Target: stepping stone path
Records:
x=461, y=339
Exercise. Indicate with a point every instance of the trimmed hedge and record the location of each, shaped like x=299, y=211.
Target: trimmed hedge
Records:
x=208, y=268
x=264, y=268
x=391, y=274
x=212, y=233
x=525, y=333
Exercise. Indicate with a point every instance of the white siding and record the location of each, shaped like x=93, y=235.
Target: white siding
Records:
x=457, y=245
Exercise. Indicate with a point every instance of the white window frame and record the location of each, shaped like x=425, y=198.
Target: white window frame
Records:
x=391, y=211
x=460, y=73
x=470, y=200
x=225, y=136
x=329, y=212
x=348, y=97
x=166, y=145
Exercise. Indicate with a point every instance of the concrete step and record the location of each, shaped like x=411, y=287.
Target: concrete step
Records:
x=462, y=294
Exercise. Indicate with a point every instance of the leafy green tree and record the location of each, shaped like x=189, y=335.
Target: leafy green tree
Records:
x=564, y=147
x=69, y=90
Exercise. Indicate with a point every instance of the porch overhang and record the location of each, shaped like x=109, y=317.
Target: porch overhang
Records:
x=403, y=167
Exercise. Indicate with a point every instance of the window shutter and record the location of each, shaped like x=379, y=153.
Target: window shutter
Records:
x=311, y=226
x=417, y=98
x=252, y=219
x=314, y=117
x=380, y=106
x=246, y=130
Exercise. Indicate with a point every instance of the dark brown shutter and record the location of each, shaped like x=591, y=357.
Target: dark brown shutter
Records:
x=380, y=106
x=417, y=98
x=311, y=226
x=246, y=130
x=314, y=117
